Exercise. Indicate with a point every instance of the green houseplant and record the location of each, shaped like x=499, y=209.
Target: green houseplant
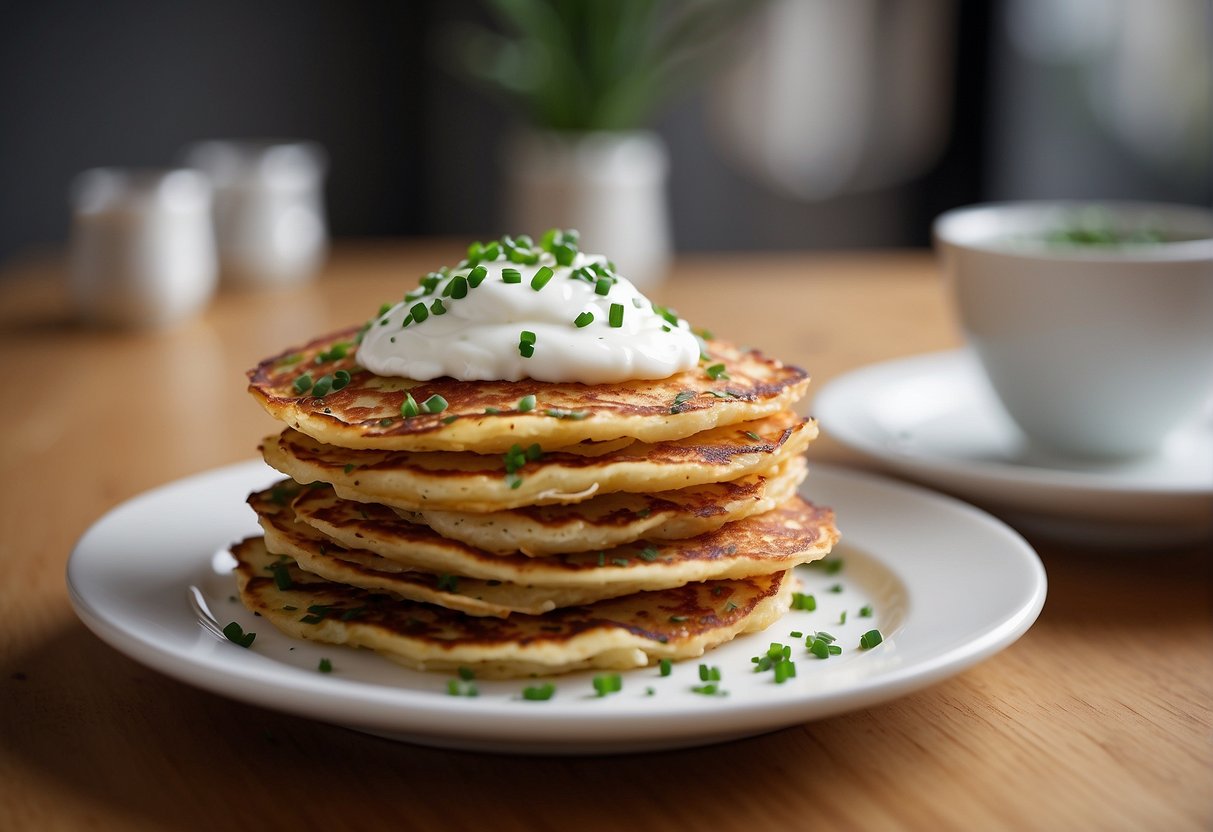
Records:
x=587, y=76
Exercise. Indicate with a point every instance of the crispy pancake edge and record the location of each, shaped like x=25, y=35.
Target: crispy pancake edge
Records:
x=465, y=425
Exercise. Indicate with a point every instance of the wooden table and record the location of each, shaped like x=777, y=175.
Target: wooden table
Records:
x=1099, y=718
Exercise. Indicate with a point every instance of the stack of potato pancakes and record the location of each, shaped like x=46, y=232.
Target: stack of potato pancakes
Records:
x=528, y=528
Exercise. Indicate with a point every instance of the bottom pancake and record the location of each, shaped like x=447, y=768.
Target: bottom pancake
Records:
x=617, y=634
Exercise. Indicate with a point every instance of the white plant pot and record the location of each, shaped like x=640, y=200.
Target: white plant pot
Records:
x=610, y=186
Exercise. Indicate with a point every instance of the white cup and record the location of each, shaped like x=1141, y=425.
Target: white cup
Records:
x=1096, y=351
x=142, y=247
x=269, y=208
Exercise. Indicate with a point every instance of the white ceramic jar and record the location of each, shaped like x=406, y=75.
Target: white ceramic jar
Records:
x=142, y=246
x=269, y=208
x=610, y=186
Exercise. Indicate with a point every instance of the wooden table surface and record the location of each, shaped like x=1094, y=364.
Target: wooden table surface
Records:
x=1099, y=718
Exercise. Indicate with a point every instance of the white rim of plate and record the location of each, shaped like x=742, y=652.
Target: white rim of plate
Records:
x=835, y=400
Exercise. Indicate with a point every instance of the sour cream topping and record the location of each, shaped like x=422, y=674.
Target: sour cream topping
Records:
x=484, y=334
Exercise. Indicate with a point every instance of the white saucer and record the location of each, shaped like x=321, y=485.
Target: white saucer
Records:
x=935, y=419
x=947, y=586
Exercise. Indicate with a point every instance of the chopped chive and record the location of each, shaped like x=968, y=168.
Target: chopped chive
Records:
x=796, y=634
x=539, y=693
x=832, y=566
x=511, y=276
x=234, y=633
x=322, y=386
x=491, y=410
x=711, y=689
x=564, y=253
x=834, y=649
x=333, y=353
x=608, y=683
x=526, y=350
x=434, y=404
x=681, y=399
x=457, y=288
x=836, y=588
x=476, y=276
x=619, y=561
x=466, y=674
x=819, y=648
x=615, y=317
x=526, y=403
x=325, y=666
x=541, y=278
x=709, y=674
x=349, y=466
x=438, y=307
x=716, y=371
x=648, y=553
x=526, y=337
x=865, y=611
x=303, y=383
x=870, y=639
x=842, y=619
x=584, y=319
x=446, y=420
x=457, y=687
x=730, y=605
x=753, y=436
x=721, y=394
x=448, y=583
x=677, y=619
x=602, y=286
x=575, y=415
x=419, y=311
x=408, y=407
x=783, y=671
x=602, y=558
x=665, y=666
x=801, y=601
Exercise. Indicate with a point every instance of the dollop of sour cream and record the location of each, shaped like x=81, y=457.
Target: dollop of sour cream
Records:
x=484, y=334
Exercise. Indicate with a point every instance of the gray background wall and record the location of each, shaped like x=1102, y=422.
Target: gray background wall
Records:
x=129, y=82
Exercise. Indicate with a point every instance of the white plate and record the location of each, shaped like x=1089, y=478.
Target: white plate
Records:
x=948, y=584
x=934, y=418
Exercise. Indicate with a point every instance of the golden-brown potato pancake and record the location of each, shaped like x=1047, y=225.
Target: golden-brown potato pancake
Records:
x=463, y=481
x=615, y=519
x=793, y=533
x=487, y=417
x=618, y=634
x=317, y=554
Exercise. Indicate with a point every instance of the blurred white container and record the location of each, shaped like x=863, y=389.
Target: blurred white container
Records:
x=269, y=208
x=1096, y=351
x=142, y=246
x=609, y=186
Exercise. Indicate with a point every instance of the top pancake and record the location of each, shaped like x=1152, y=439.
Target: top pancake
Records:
x=486, y=416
